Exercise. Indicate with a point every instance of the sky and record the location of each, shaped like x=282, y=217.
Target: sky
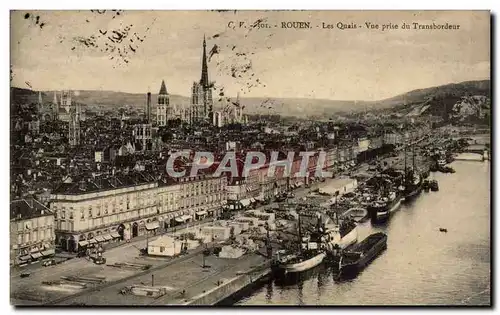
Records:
x=55, y=50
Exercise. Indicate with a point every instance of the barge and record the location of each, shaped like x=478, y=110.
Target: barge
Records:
x=357, y=257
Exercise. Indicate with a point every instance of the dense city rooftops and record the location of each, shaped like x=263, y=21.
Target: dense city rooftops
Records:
x=23, y=209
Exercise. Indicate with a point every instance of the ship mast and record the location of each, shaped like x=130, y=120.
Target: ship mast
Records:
x=405, y=163
x=300, y=235
x=413, y=156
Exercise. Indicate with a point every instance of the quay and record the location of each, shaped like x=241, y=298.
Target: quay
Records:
x=184, y=282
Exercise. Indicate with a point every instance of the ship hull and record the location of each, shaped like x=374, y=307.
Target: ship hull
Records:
x=284, y=269
x=348, y=239
x=368, y=254
x=410, y=195
x=380, y=214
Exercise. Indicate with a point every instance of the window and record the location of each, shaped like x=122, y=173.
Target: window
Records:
x=82, y=215
x=63, y=215
x=162, y=249
x=71, y=215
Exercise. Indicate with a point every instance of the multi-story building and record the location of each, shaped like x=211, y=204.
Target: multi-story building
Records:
x=122, y=207
x=393, y=138
x=143, y=134
x=31, y=231
x=200, y=196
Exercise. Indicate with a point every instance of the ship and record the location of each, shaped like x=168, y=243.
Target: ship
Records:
x=357, y=257
x=426, y=185
x=309, y=255
x=384, y=206
x=287, y=264
x=412, y=180
x=413, y=186
x=339, y=233
x=433, y=185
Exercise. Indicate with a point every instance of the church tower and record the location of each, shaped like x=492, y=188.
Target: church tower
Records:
x=66, y=100
x=40, y=102
x=201, y=93
x=163, y=110
x=74, y=125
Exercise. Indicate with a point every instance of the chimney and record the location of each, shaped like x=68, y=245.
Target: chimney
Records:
x=148, y=108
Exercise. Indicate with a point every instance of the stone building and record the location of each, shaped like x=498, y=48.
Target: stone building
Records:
x=31, y=231
x=121, y=207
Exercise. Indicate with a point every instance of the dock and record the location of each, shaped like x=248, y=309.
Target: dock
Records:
x=185, y=282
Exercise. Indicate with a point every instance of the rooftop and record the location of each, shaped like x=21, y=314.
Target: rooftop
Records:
x=23, y=209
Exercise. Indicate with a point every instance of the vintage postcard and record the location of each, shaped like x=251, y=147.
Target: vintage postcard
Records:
x=250, y=158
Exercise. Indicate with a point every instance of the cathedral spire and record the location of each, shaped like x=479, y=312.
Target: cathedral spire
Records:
x=163, y=88
x=204, y=67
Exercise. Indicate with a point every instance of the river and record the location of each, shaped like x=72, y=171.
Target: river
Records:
x=421, y=266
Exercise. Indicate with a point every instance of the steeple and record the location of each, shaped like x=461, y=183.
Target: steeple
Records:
x=40, y=98
x=163, y=89
x=204, y=67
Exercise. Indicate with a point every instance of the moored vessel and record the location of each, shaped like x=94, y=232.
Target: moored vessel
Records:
x=426, y=185
x=382, y=208
x=341, y=233
x=357, y=257
x=304, y=261
x=434, y=185
x=308, y=255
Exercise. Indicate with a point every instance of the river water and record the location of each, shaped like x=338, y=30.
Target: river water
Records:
x=421, y=265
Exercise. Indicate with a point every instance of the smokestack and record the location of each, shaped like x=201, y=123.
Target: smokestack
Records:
x=148, y=108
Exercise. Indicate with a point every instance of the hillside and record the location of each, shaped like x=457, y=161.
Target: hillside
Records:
x=482, y=87
x=466, y=101
x=439, y=101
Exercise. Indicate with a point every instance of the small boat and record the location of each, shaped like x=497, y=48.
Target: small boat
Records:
x=441, y=163
x=357, y=257
x=433, y=168
x=426, y=185
x=446, y=169
x=25, y=274
x=358, y=214
x=443, y=230
x=433, y=185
